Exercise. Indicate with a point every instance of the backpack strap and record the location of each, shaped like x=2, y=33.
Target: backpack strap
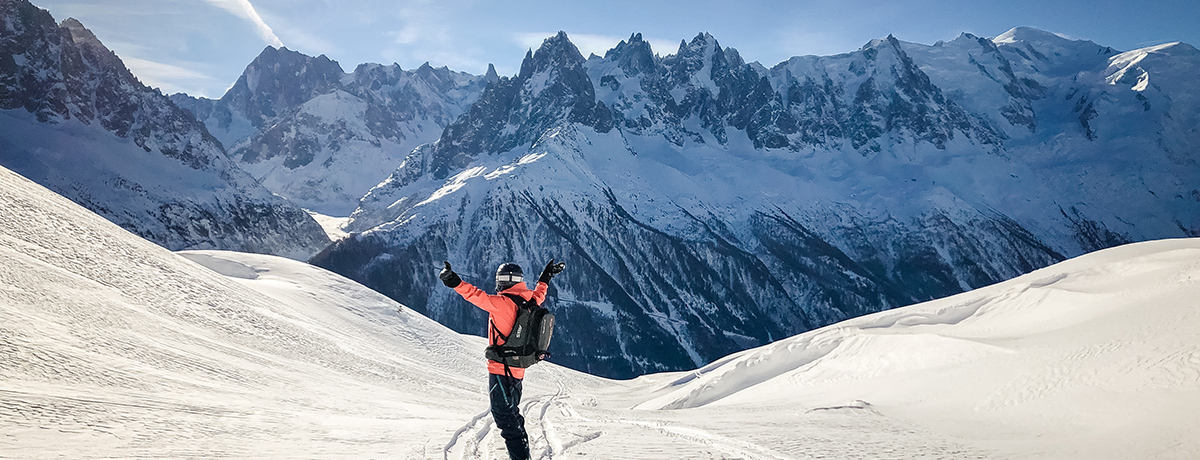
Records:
x=520, y=303
x=497, y=334
x=504, y=353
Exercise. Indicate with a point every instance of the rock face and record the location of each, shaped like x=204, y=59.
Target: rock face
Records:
x=75, y=120
x=322, y=137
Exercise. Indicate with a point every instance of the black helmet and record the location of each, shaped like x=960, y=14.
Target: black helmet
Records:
x=508, y=275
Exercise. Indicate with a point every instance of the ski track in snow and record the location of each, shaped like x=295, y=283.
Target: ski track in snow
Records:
x=472, y=440
x=557, y=429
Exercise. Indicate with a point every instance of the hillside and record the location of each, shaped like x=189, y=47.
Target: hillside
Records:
x=114, y=347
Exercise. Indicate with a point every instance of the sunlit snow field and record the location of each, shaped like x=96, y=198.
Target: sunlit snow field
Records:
x=112, y=347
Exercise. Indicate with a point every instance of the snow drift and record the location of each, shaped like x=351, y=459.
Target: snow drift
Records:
x=1096, y=357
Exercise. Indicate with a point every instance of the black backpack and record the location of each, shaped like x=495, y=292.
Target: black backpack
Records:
x=526, y=344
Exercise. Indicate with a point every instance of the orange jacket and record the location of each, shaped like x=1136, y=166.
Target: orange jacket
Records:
x=502, y=312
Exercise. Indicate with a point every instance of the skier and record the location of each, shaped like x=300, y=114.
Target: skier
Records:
x=504, y=382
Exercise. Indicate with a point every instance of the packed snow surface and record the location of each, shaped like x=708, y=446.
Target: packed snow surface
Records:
x=111, y=346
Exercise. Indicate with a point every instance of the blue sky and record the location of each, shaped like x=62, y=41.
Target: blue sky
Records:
x=202, y=46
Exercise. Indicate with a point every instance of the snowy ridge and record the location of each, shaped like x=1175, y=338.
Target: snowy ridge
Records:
x=114, y=347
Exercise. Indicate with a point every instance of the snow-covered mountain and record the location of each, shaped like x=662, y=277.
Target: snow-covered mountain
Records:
x=322, y=137
x=74, y=119
x=112, y=347
x=705, y=205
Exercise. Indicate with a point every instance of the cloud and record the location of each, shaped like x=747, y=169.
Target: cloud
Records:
x=300, y=39
x=243, y=9
x=425, y=32
x=166, y=77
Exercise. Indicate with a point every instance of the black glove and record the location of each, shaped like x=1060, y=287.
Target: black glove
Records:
x=551, y=270
x=449, y=278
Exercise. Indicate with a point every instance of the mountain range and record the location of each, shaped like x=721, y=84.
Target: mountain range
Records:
x=704, y=205
x=322, y=137
x=74, y=119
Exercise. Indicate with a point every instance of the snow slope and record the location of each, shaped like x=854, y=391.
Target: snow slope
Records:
x=1095, y=357
x=111, y=346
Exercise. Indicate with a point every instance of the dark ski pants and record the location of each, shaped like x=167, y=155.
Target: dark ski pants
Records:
x=505, y=393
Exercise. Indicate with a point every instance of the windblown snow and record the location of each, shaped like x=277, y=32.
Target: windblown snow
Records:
x=111, y=346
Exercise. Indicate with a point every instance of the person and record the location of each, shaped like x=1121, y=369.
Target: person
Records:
x=504, y=382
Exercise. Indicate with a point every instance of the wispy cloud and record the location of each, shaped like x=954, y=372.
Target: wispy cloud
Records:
x=166, y=77
x=243, y=9
x=425, y=31
x=300, y=39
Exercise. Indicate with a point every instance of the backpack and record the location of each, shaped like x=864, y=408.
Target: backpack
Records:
x=526, y=344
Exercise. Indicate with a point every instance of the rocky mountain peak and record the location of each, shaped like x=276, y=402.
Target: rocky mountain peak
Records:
x=556, y=52
x=441, y=78
x=699, y=43
x=633, y=55
x=734, y=57
x=491, y=76
x=888, y=44
x=425, y=70
x=698, y=50
x=703, y=52
x=374, y=76
x=94, y=50
x=80, y=34
x=279, y=79
x=275, y=64
x=552, y=88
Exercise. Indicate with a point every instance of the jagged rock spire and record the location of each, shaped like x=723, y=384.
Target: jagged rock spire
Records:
x=552, y=88
x=634, y=55
x=556, y=51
